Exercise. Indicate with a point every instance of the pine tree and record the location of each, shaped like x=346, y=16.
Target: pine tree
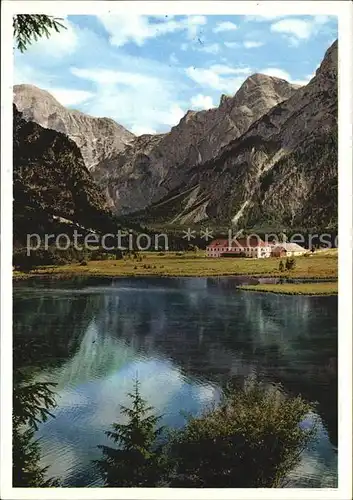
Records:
x=27, y=28
x=139, y=460
x=31, y=404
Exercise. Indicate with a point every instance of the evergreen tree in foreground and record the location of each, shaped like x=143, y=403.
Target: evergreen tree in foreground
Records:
x=28, y=28
x=32, y=402
x=139, y=460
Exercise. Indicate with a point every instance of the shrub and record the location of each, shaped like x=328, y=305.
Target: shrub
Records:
x=290, y=263
x=253, y=439
x=83, y=263
x=281, y=266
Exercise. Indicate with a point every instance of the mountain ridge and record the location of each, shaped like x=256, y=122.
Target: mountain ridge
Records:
x=219, y=164
x=97, y=138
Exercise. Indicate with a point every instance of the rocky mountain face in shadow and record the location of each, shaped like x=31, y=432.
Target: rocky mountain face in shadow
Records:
x=282, y=170
x=265, y=157
x=50, y=179
x=97, y=138
x=152, y=165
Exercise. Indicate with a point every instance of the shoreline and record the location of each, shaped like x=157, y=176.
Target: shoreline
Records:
x=312, y=272
x=307, y=286
x=63, y=275
x=330, y=290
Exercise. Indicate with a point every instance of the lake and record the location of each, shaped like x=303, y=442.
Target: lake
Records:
x=183, y=338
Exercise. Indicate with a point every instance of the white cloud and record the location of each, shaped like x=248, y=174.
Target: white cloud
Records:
x=137, y=29
x=297, y=30
x=222, y=69
x=217, y=77
x=263, y=17
x=70, y=97
x=25, y=74
x=193, y=24
x=284, y=75
x=297, y=27
x=299, y=82
x=58, y=45
x=200, y=101
x=214, y=48
x=277, y=72
x=174, y=115
x=111, y=77
x=252, y=44
x=322, y=19
x=142, y=130
x=225, y=26
x=232, y=45
x=173, y=59
x=141, y=102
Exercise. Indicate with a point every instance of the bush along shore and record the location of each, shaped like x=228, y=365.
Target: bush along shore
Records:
x=252, y=439
x=316, y=288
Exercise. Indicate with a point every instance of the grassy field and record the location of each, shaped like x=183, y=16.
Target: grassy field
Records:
x=320, y=265
x=295, y=288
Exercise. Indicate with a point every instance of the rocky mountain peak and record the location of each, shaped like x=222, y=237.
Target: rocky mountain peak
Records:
x=97, y=138
x=328, y=67
x=152, y=169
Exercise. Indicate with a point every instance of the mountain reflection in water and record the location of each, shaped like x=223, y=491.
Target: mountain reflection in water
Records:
x=183, y=338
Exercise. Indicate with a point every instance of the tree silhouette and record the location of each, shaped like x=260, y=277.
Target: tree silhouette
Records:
x=28, y=28
x=32, y=402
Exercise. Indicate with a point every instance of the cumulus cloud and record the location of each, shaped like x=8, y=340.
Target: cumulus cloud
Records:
x=298, y=30
x=252, y=44
x=137, y=130
x=214, y=48
x=219, y=77
x=223, y=69
x=277, y=72
x=58, y=45
x=225, y=26
x=138, y=29
x=297, y=27
x=263, y=17
x=139, y=101
x=284, y=75
x=200, y=101
x=70, y=97
x=173, y=59
x=232, y=45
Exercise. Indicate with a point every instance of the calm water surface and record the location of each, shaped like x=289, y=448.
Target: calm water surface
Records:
x=183, y=338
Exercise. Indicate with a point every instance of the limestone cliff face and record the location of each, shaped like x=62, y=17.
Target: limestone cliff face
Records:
x=151, y=166
x=97, y=138
x=281, y=171
x=51, y=180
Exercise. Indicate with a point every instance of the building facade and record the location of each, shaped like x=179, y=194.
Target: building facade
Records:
x=248, y=247
x=288, y=250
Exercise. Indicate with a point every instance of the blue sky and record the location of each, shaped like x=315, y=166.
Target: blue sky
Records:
x=147, y=72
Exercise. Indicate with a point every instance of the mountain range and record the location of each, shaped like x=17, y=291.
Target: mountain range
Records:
x=265, y=157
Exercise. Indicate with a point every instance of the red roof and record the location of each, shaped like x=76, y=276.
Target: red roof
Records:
x=239, y=243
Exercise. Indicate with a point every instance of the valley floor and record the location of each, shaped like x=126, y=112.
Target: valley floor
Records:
x=189, y=264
